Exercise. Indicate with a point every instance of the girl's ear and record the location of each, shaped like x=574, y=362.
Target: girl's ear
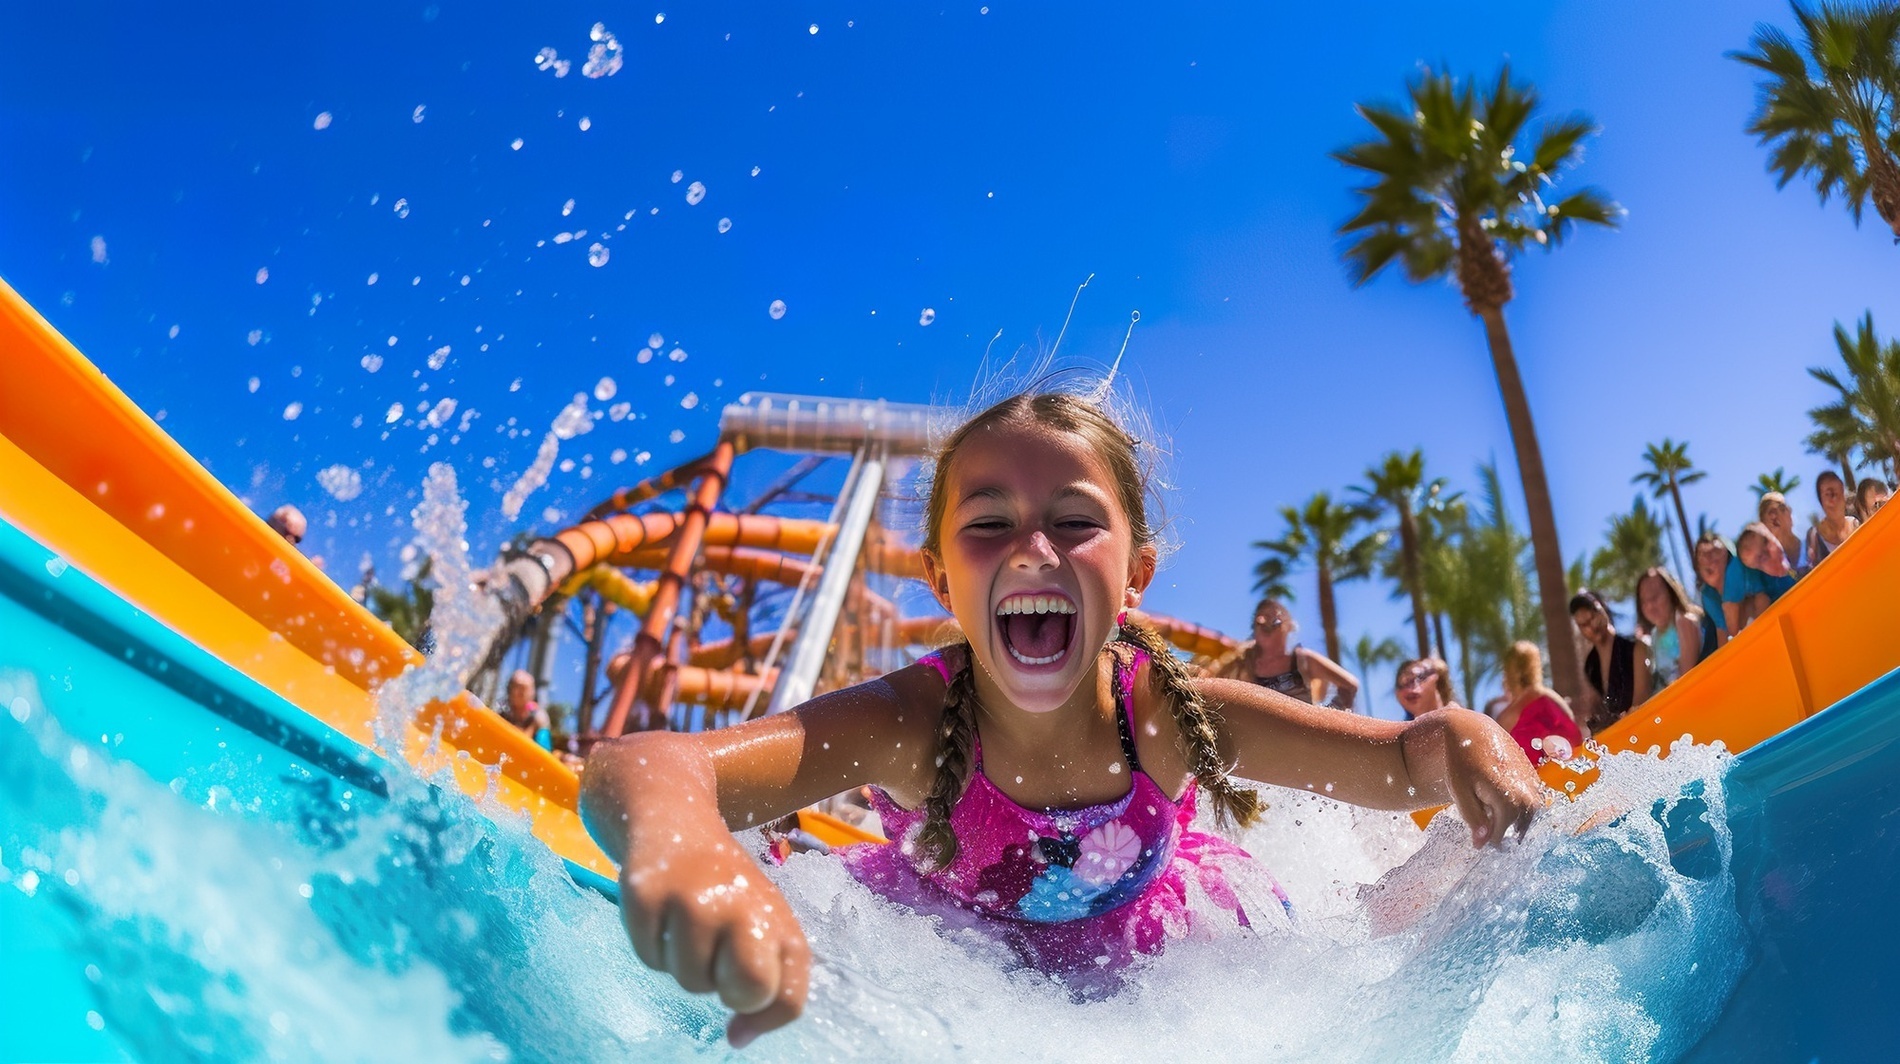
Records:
x=1140, y=574
x=937, y=580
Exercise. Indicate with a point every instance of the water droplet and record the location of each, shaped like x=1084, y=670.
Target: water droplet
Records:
x=393, y=415
x=567, y=208
x=254, y=337
x=678, y=176
x=695, y=192
x=597, y=255
x=373, y=278
x=437, y=358
x=690, y=401
x=678, y=354
x=402, y=208
x=416, y=115
x=586, y=123
x=777, y=309
x=263, y=274
x=172, y=332
x=292, y=411
x=342, y=482
x=322, y=122
x=604, y=390
x=659, y=18
x=929, y=315
x=254, y=382
x=725, y=225
x=813, y=30
x=515, y=144
x=99, y=250
x=372, y=363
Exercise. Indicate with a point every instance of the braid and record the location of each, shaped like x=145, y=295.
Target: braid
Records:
x=956, y=738
x=1233, y=804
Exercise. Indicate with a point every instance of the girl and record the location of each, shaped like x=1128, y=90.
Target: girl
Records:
x=1040, y=778
x=1835, y=525
x=1536, y=716
x=1294, y=671
x=1424, y=685
x=1616, y=666
x=1673, y=627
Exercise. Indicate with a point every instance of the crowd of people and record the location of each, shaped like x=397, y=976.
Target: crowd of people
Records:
x=1673, y=631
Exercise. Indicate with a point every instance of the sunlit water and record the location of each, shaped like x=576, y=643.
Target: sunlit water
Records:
x=242, y=917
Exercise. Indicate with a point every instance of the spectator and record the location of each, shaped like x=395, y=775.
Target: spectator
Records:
x=1759, y=551
x=1713, y=557
x=1775, y=513
x=1617, y=668
x=1871, y=496
x=1835, y=525
x=1293, y=671
x=288, y=522
x=1673, y=626
x=1423, y=685
x=525, y=713
x=1536, y=716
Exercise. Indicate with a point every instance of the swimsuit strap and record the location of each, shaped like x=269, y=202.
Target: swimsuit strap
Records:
x=1125, y=710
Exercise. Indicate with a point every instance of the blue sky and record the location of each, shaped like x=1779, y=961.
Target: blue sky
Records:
x=976, y=161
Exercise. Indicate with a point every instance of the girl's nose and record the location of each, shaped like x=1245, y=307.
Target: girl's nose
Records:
x=1034, y=551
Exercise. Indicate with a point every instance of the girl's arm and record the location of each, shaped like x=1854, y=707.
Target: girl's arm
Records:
x=1689, y=642
x=1645, y=669
x=664, y=806
x=1321, y=667
x=1446, y=756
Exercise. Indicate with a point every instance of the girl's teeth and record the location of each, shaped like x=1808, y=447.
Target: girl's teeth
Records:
x=1037, y=661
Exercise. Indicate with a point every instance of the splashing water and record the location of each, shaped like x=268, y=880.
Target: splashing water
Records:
x=572, y=421
x=342, y=482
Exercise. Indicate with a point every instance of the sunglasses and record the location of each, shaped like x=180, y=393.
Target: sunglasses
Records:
x=1417, y=678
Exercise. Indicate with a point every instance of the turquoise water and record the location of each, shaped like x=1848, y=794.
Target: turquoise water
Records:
x=191, y=870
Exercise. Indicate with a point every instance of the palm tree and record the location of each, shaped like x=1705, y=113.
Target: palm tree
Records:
x=1779, y=481
x=1320, y=534
x=405, y=610
x=1453, y=194
x=1396, y=484
x=1827, y=108
x=1867, y=414
x=1631, y=545
x=1442, y=515
x=1670, y=469
x=1484, y=584
x=1269, y=579
x=1368, y=655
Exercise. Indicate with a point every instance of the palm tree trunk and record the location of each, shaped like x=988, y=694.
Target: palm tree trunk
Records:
x=1682, y=517
x=1438, y=629
x=1553, y=596
x=1408, y=557
x=1883, y=179
x=1328, y=613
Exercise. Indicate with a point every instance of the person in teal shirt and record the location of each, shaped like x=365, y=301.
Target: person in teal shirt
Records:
x=1758, y=574
x=525, y=713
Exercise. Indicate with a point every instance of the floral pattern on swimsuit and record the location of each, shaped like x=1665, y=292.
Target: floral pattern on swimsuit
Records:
x=1071, y=888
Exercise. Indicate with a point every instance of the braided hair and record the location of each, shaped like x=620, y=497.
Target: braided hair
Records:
x=935, y=843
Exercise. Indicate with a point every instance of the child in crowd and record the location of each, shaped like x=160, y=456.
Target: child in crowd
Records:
x=1871, y=496
x=1424, y=686
x=1777, y=517
x=1768, y=571
x=1535, y=715
x=1835, y=524
x=1672, y=626
x=1713, y=556
x=1040, y=779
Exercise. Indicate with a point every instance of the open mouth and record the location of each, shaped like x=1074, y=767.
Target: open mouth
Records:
x=1036, y=629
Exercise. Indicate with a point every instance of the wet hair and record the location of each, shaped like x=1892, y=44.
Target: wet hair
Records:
x=1676, y=595
x=1821, y=481
x=1442, y=682
x=1867, y=487
x=1196, y=721
x=1524, y=664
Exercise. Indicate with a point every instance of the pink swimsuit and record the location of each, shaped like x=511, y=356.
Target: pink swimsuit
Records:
x=1069, y=889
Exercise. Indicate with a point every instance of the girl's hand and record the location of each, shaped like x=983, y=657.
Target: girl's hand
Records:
x=1486, y=774
x=701, y=910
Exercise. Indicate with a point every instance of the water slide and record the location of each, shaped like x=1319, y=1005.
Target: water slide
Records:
x=144, y=604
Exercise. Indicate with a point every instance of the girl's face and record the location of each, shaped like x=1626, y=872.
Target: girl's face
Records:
x=1833, y=499
x=1777, y=515
x=1038, y=558
x=1657, y=604
x=1594, y=625
x=1711, y=562
x=1418, y=690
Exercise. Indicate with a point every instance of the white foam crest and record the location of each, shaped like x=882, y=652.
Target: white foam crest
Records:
x=572, y=421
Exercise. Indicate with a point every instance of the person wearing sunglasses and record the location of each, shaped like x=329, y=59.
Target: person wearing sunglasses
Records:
x=1294, y=671
x=1424, y=685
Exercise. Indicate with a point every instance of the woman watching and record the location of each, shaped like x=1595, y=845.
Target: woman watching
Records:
x=1536, y=716
x=1294, y=671
x=1424, y=685
x=1871, y=496
x=1617, y=668
x=1673, y=627
x=1835, y=525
